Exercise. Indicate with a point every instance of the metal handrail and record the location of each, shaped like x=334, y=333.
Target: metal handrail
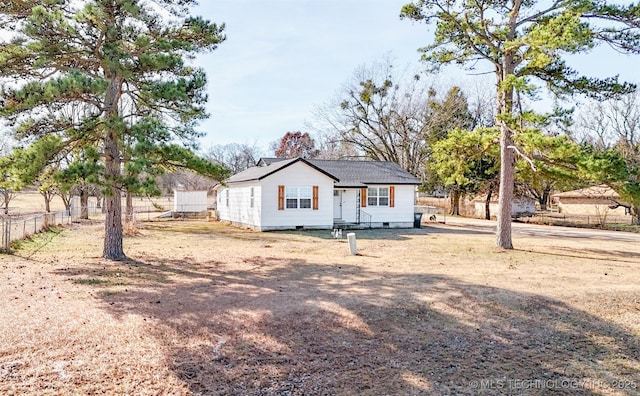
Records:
x=365, y=217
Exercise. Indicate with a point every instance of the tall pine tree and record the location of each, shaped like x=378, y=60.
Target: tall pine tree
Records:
x=524, y=43
x=88, y=71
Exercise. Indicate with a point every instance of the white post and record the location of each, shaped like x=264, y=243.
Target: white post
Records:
x=352, y=243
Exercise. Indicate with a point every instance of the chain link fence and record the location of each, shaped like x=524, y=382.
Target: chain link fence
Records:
x=18, y=228
x=15, y=229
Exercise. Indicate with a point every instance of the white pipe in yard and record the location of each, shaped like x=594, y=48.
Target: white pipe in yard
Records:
x=352, y=243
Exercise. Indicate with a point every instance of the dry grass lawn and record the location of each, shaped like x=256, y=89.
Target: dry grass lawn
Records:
x=203, y=308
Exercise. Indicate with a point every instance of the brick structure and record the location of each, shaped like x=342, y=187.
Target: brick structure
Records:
x=593, y=201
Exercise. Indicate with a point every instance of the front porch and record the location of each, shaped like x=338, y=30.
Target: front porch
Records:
x=347, y=211
x=344, y=225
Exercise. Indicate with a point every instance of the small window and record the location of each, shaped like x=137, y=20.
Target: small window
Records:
x=252, y=197
x=336, y=193
x=227, y=196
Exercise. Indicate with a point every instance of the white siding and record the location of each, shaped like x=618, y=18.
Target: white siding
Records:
x=189, y=201
x=239, y=210
x=400, y=215
x=297, y=175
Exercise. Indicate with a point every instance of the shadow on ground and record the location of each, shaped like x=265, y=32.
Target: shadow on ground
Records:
x=300, y=328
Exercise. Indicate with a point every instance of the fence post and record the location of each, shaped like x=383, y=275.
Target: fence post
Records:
x=7, y=240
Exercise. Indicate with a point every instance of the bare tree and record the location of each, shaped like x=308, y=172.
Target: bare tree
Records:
x=387, y=115
x=613, y=128
x=611, y=123
x=184, y=179
x=379, y=117
x=330, y=146
x=234, y=156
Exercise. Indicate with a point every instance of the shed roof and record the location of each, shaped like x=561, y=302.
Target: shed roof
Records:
x=601, y=191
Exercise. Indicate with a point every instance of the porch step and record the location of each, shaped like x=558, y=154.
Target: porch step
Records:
x=349, y=226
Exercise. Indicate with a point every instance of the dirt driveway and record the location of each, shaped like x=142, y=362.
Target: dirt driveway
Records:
x=203, y=308
x=538, y=230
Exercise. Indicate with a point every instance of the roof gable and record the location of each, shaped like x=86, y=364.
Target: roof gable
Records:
x=265, y=161
x=261, y=172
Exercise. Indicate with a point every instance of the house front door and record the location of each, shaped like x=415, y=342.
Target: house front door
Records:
x=337, y=204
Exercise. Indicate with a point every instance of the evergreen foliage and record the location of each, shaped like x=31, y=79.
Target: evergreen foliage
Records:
x=109, y=76
x=525, y=44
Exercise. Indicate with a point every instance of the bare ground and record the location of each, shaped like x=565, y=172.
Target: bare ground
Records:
x=203, y=308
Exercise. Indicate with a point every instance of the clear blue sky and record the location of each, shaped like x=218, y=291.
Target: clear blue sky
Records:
x=282, y=58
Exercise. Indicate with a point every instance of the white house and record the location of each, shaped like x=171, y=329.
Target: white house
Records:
x=300, y=193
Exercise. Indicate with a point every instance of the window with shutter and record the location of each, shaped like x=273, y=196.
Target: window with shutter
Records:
x=378, y=196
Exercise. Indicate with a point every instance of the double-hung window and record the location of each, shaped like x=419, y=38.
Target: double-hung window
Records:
x=298, y=197
x=378, y=196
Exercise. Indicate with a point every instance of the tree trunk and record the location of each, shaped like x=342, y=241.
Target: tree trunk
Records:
x=507, y=164
x=84, y=202
x=47, y=203
x=634, y=211
x=454, y=197
x=545, y=198
x=487, y=203
x=7, y=198
x=66, y=201
x=128, y=217
x=113, y=249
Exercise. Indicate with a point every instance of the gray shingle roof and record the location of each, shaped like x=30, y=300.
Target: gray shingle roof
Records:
x=345, y=173
x=362, y=173
x=268, y=161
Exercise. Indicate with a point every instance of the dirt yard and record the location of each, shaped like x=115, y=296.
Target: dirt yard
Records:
x=206, y=309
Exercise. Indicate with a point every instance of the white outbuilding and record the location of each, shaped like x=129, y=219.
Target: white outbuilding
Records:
x=189, y=201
